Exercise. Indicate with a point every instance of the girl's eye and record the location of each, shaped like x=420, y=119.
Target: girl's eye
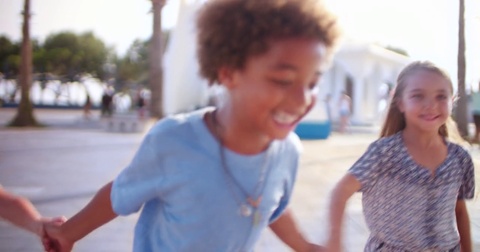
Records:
x=417, y=96
x=441, y=97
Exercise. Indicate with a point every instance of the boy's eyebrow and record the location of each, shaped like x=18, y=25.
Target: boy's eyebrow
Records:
x=286, y=66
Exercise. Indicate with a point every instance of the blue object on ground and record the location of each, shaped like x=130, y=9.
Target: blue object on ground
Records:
x=313, y=130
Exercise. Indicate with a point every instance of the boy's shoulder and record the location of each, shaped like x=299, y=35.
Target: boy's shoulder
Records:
x=293, y=142
x=178, y=122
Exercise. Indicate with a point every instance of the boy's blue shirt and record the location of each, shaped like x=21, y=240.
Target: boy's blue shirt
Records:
x=188, y=202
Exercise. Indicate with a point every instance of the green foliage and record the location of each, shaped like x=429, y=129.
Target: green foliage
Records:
x=9, y=57
x=69, y=55
x=66, y=56
x=133, y=67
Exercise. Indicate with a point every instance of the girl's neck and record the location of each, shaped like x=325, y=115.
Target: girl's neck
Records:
x=422, y=138
x=229, y=131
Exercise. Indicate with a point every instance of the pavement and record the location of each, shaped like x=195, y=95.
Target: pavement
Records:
x=60, y=167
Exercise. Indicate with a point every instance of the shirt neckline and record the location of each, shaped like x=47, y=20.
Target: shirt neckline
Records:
x=409, y=158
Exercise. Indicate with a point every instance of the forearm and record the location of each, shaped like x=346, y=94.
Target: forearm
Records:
x=463, y=225
x=335, y=215
x=98, y=212
x=345, y=188
x=287, y=231
x=20, y=212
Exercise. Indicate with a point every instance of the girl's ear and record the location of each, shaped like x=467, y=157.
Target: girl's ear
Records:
x=226, y=77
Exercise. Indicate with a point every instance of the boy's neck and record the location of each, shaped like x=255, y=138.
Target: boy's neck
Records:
x=224, y=127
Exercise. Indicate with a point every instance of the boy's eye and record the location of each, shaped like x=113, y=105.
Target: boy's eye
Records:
x=313, y=86
x=281, y=82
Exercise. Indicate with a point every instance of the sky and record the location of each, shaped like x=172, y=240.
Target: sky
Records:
x=426, y=29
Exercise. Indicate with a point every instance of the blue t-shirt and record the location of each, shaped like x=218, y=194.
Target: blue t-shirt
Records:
x=188, y=202
x=406, y=207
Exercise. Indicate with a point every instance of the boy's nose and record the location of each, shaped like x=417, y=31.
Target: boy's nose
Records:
x=302, y=97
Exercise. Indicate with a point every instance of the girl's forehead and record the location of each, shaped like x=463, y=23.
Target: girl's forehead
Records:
x=423, y=80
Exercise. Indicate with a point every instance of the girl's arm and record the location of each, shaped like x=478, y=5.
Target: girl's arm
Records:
x=463, y=225
x=344, y=189
x=286, y=229
x=98, y=212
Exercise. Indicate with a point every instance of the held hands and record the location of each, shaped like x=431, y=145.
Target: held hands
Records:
x=54, y=240
x=333, y=246
x=316, y=248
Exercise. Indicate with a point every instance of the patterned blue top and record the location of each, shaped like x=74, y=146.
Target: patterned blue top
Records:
x=404, y=205
x=187, y=202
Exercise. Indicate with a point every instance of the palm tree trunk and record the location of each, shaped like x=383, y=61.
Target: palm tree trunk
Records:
x=24, y=116
x=156, y=53
x=461, y=113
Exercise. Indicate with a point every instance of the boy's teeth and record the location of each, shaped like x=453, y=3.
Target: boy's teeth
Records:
x=284, y=118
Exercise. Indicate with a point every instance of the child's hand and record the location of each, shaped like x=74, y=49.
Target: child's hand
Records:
x=53, y=239
x=333, y=246
x=316, y=248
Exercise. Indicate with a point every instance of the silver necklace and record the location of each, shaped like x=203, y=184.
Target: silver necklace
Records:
x=249, y=205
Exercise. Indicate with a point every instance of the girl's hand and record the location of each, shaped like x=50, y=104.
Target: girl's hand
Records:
x=316, y=248
x=333, y=246
x=53, y=239
x=39, y=228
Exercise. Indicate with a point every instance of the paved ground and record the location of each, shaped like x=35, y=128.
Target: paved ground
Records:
x=60, y=168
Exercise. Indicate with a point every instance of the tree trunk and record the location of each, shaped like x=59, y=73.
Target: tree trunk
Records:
x=156, y=55
x=24, y=116
x=461, y=113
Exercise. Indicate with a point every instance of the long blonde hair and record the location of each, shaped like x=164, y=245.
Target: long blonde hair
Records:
x=395, y=120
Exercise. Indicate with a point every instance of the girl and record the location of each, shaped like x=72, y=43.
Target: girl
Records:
x=413, y=179
x=214, y=179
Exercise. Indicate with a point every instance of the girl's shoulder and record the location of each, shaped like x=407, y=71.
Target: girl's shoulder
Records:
x=388, y=141
x=457, y=150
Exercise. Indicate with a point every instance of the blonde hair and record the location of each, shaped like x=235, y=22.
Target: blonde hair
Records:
x=395, y=120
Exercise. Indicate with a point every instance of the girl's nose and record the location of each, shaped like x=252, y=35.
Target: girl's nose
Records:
x=429, y=103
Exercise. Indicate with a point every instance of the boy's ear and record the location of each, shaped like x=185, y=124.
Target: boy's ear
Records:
x=226, y=77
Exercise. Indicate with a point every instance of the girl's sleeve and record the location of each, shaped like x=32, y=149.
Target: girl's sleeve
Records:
x=138, y=183
x=367, y=168
x=467, y=188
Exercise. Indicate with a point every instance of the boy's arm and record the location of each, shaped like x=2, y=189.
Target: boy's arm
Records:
x=286, y=229
x=463, y=225
x=344, y=189
x=95, y=214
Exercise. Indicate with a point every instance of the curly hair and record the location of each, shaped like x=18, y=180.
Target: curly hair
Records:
x=230, y=31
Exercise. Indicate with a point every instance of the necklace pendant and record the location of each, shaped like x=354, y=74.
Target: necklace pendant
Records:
x=256, y=217
x=245, y=210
